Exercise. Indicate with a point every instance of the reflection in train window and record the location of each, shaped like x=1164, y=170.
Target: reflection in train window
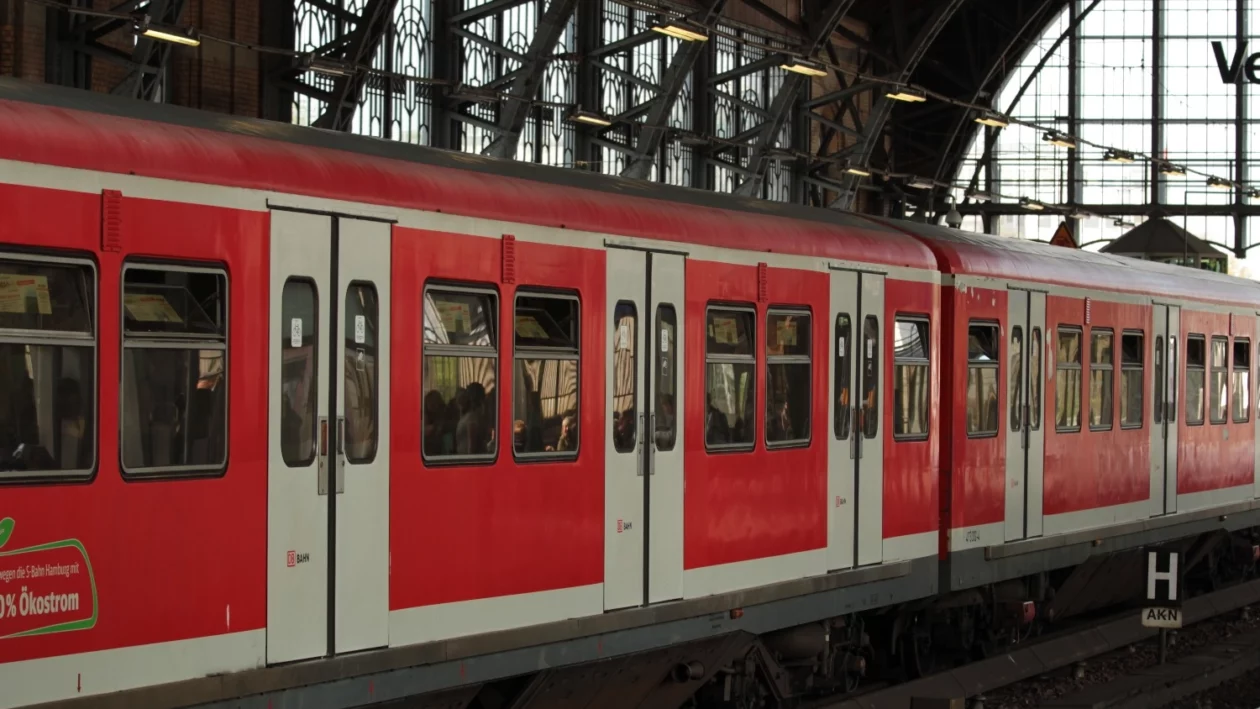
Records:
x=625, y=335
x=788, y=371
x=47, y=367
x=729, y=382
x=1196, y=372
x=174, y=388
x=1220, y=376
x=1240, y=383
x=361, y=372
x=666, y=385
x=1101, y=374
x=983, y=342
x=1132, y=378
x=1034, y=380
x=1015, y=396
x=1067, y=380
x=911, y=384
x=843, y=376
x=869, y=418
x=545, y=377
x=460, y=403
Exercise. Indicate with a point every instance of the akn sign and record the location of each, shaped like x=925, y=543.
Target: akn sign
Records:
x=1233, y=69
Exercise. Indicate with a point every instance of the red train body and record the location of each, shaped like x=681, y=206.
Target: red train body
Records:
x=962, y=394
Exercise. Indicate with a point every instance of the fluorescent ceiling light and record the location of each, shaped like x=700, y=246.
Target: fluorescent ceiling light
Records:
x=1171, y=169
x=1219, y=184
x=685, y=30
x=908, y=94
x=977, y=195
x=921, y=183
x=1063, y=141
x=803, y=66
x=1031, y=204
x=857, y=170
x=1114, y=155
x=170, y=34
x=993, y=120
x=577, y=115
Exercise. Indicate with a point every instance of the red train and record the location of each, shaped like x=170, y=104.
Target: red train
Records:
x=271, y=394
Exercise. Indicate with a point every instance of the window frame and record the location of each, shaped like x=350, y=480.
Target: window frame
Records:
x=1127, y=367
x=1210, y=386
x=1036, y=355
x=181, y=342
x=1015, y=394
x=496, y=346
x=722, y=448
x=805, y=359
x=1246, y=369
x=1078, y=365
x=1161, y=376
x=1203, y=390
x=837, y=371
x=64, y=338
x=635, y=356
x=995, y=364
x=346, y=339
x=552, y=353
x=925, y=361
x=1102, y=367
x=656, y=388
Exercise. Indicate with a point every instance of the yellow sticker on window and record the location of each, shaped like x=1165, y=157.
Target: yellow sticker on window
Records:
x=528, y=327
x=725, y=331
x=456, y=316
x=150, y=307
x=785, y=332
x=17, y=293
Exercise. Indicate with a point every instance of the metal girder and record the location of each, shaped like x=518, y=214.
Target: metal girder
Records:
x=653, y=129
x=150, y=57
x=882, y=106
x=514, y=111
x=357, y=51
x=1003, y=63
x=819, y=33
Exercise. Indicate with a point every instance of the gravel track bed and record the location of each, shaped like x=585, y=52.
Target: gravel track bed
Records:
x=1105, y=668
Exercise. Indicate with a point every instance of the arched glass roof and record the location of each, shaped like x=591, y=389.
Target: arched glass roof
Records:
x=1140, y=76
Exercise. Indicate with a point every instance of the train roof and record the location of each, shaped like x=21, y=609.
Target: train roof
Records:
x=960, y=252
x=79, y=129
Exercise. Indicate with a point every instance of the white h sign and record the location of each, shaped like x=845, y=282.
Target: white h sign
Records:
x=1154, y=576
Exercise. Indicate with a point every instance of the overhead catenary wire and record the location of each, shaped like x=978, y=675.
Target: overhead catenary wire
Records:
x=308, y=59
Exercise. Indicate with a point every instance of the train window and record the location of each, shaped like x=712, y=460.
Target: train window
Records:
x=1158, y=407
x=1220, y=378
x=870, y=377
x=545, y=394
x=1034, y=380
x=299, y=371
x=625, y=332
x=1196, y=366
x=666, y=385
x=1101, y=375
x=788, y=377
x=1240, y=384
x=1067, y=381
x=844, y=373
x=1132, y=378
x=1016, y=389
x=47, y=368
x=361, y=372
x=729, y=380
x=1171, y=389
x=460, y=375
x=910, y=379
x=174, y=391
x=982, y=379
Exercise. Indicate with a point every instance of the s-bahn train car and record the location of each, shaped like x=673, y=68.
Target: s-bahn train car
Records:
x=299, y=409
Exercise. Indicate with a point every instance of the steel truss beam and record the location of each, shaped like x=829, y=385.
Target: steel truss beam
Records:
x=358, y=51
x=514, y=111
x=907, y=59
x=819, y=29
x=653, y=129
x=79, y=40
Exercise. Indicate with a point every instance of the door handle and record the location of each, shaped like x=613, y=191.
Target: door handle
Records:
x=341, y=454
x=321, y=456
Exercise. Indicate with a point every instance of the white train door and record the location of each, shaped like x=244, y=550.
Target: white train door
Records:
x=1025, y=437
x=643, y=463
x=1167, y=321
x=855, y=453
x=327, y=460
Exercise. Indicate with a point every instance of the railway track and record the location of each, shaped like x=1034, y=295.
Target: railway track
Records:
x=1046, y=655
